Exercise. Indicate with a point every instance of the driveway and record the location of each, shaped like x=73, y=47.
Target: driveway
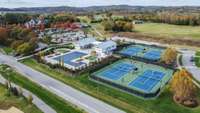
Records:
x=190, y=66
x=84, y=101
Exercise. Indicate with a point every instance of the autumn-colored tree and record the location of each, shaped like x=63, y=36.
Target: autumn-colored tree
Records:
x=169, y=55
x=93, y=53
x=3, y=35
x=108, y=25
x=25, y=48
x=182, y=86
x=128, y=26
x=16, y=43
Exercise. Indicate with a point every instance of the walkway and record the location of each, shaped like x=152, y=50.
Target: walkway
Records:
x=36, y=101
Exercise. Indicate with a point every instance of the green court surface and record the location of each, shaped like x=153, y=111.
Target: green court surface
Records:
x=131, y=75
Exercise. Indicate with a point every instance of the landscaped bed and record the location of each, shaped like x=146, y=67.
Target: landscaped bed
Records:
x=197, y=58
x=129, y=103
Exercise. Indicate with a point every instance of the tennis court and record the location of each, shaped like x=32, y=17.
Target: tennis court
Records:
x=147, y=52
x=132, y=51
x=153, y=55
x=147, y=80
x=118, y=71
x=134, y=75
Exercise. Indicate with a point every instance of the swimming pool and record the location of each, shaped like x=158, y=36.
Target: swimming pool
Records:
x=69, y=57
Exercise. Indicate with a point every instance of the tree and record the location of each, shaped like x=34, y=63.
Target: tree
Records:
x=16, y=43
x=93, y=53
x=15, y=18
x=25, y=48
x=169, y=55
x=3, y=35
x=109, y=15
x=20, y=91
x=108, y=25
x=30, y=99
x=46, y=39
x=128, y=26
x=182, y=86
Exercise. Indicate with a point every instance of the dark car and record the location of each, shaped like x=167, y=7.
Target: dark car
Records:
x=192, y=59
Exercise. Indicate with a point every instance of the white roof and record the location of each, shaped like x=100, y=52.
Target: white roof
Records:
x=86, y=41
x=105, y=45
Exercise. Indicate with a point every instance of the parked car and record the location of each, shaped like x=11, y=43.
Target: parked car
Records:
x=192, y=59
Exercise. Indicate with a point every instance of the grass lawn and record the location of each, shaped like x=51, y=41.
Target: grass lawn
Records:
x=124, y=101
x=52, y=100
x=7, y=50
x=167, y=30
x=19, y=102
x=197, y=59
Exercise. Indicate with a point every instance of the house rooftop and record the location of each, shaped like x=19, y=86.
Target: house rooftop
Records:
x=86, y=41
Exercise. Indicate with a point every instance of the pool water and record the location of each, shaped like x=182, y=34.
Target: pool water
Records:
x=69, y=57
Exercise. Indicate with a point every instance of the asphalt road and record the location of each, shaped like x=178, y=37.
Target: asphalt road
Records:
x=190, y=66
x=84, y=101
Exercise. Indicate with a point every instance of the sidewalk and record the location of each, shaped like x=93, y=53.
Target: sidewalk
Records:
x=36, y=101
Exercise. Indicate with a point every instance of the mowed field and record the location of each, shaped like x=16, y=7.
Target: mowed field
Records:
x=167, y=30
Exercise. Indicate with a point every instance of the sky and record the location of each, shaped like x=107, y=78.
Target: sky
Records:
x=85, y=3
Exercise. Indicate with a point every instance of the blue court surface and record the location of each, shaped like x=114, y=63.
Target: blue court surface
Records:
x=147, y=52
x=71, y=56
x=132, y=51
x=153, y=55
x=147, y=81
x=118, y=71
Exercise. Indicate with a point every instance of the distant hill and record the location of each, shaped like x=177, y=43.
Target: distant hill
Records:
x=115, y=8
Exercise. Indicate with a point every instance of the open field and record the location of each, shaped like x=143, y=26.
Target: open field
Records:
x=186, y=36
x=166, y=30
x=124, y=101
x=57, y=103
x=19, y=102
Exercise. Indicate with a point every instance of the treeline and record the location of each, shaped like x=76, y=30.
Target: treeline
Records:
x=21, y=18
x=22, y=40
x=118, y=26
x=169, y=18
x=61, y=18
x=17, y=18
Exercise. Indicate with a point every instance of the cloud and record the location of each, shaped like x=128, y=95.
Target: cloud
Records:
x=85, y=3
